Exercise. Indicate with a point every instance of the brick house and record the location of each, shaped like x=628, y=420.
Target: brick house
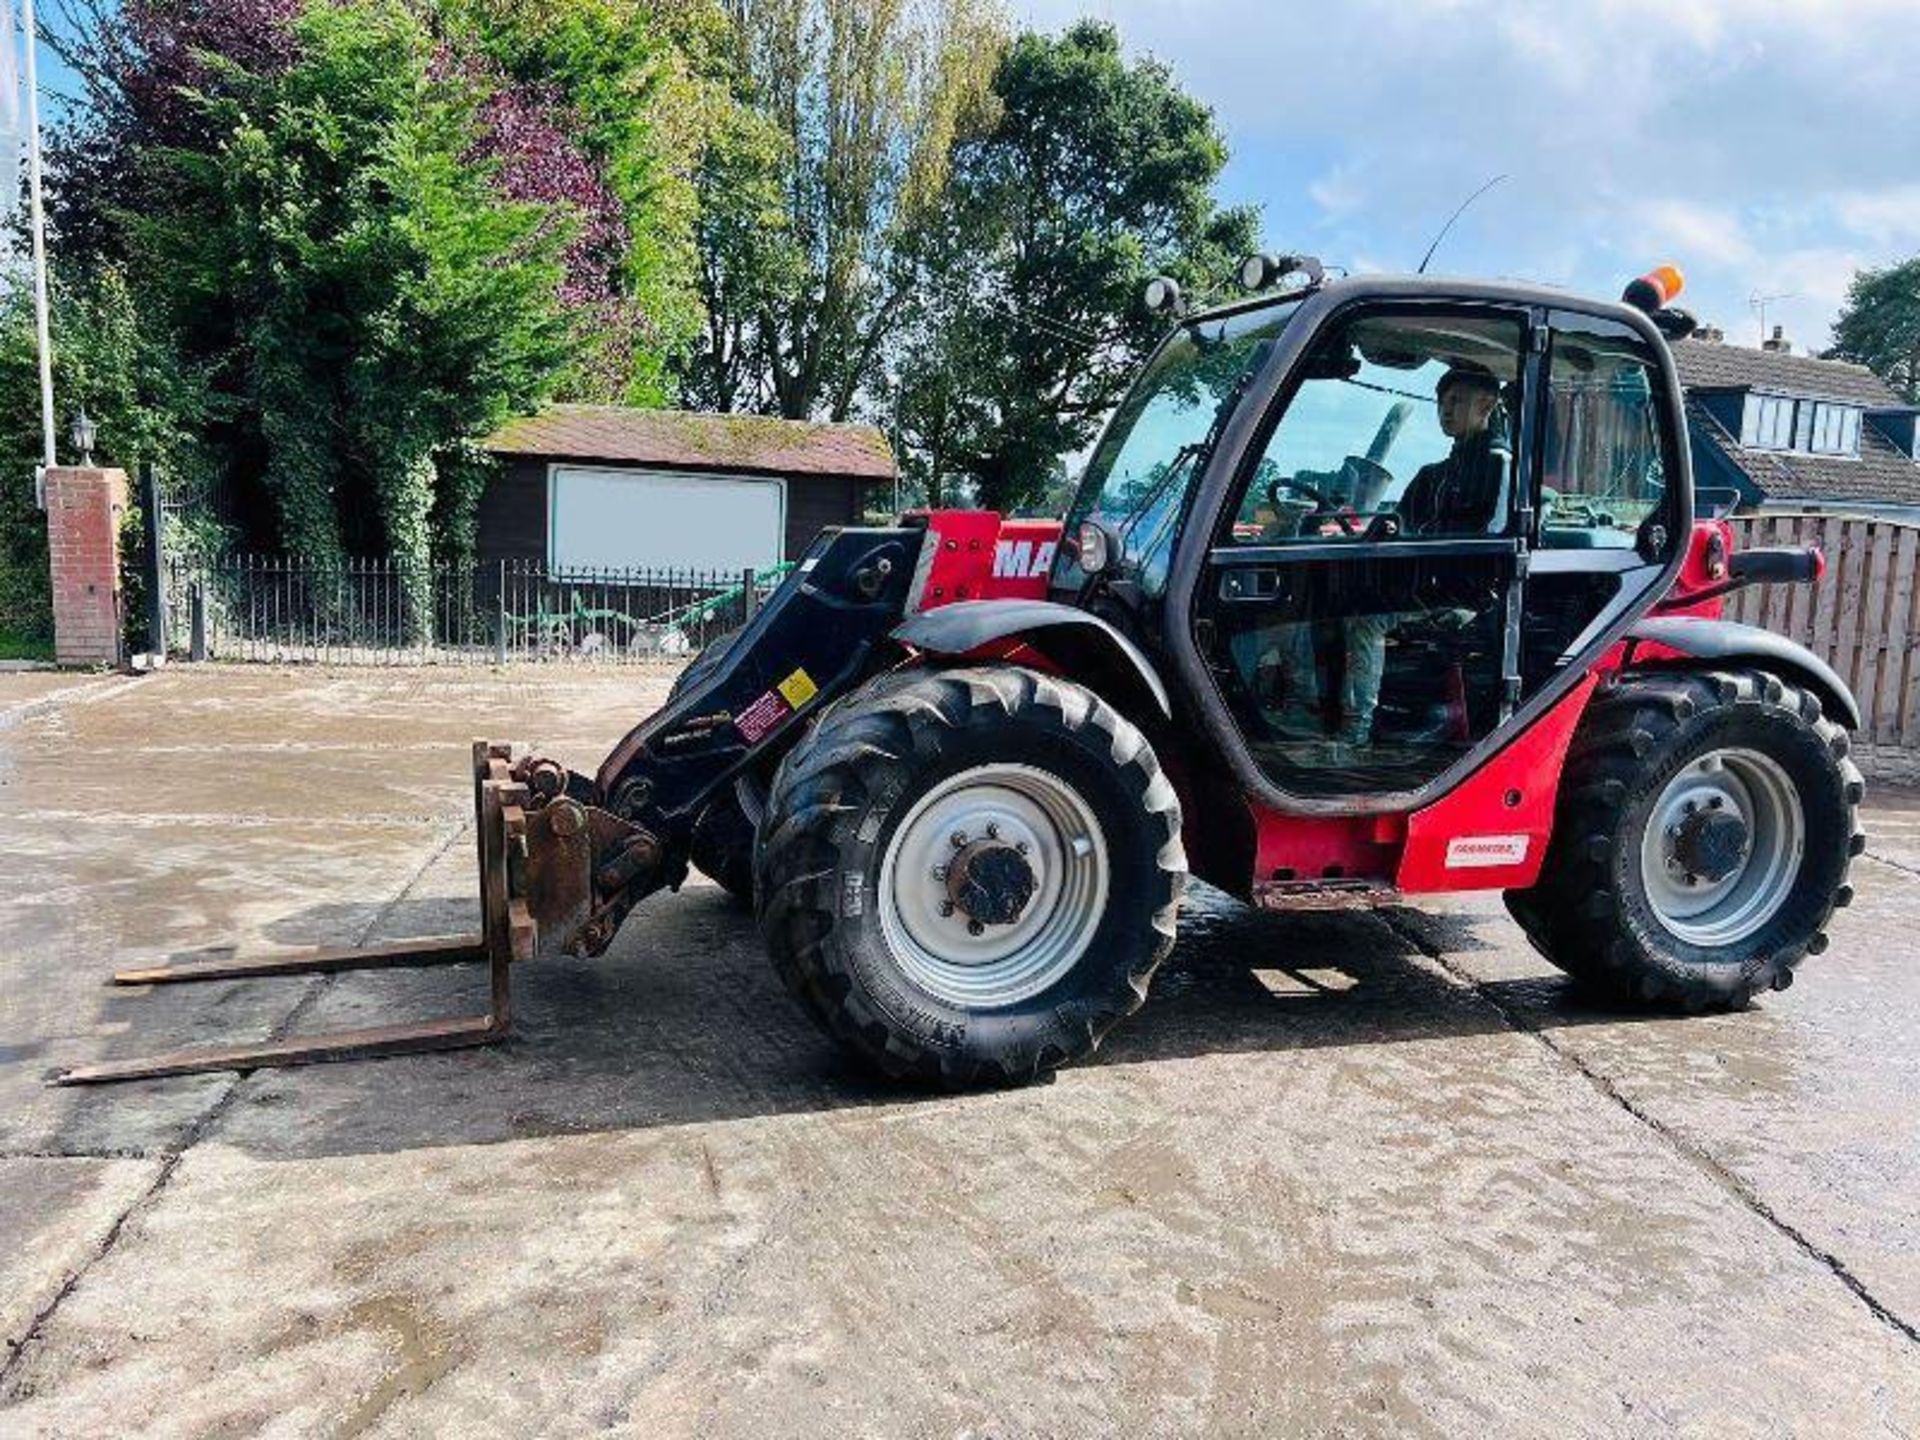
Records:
x=1794, y=432
x=598, y=487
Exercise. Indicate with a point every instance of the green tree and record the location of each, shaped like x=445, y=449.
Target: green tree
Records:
x=1879, y=326
x=108, y=361
x=863, y=101
x=1027, y=325
x=361, y=294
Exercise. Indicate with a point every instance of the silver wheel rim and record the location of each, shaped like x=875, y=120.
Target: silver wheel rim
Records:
x=994, y=966
x=1754, y=789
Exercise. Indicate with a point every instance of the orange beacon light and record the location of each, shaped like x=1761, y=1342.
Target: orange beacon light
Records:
x=1656, y=289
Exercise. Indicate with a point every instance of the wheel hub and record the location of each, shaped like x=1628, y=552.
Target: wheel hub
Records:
x=993, y=885
x=1722, y=846
x=990, y=881
x=1711, y=844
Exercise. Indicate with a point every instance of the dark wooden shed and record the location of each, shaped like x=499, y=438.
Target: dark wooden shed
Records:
x=593, y=487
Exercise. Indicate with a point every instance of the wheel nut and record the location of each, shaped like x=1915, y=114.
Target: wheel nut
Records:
x=993, y=832
x=946, y=908
x=958, y=839
x=939, y=872
x=1714, y=803
x=1019, y=847
x=974, y=927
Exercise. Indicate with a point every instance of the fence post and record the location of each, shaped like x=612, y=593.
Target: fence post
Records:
x=500, y=617
x=156, y=567
x=750, y=593
x=197, y=613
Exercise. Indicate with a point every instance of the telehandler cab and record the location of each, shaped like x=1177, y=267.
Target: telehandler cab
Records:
x=1372, y=588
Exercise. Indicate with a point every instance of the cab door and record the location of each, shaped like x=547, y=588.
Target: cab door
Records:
x=1609, y=490
x=1360, y=609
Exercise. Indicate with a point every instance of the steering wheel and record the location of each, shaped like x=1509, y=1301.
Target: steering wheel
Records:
x=1324, y=507
x=1298, y=486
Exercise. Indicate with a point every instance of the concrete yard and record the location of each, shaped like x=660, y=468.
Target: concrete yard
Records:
x=1357, y=1174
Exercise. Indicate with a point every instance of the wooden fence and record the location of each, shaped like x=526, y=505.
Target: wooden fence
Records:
x=1863, y=618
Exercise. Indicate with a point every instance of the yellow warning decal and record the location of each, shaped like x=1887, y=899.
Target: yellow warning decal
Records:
x=798, y=688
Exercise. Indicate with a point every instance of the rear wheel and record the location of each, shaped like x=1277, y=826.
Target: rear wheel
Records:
x=1705, y=827
x=969, y=876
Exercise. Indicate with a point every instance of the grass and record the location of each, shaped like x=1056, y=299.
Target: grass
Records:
x=16, y=646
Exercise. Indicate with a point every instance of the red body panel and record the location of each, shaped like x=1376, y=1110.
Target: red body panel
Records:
x=1705, y=566
x=1324, y=847
x=1490, y=831
x=976, y=555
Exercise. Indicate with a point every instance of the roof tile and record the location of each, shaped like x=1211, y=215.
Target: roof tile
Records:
x=1715, y=365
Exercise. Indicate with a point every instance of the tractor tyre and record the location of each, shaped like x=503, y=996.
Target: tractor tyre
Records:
x=969, y=876
x=721, y=846
x=1704, y=830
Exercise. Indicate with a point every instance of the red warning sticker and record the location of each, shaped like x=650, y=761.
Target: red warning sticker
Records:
x=759, y=718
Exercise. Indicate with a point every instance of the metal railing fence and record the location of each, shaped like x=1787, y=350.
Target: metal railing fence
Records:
x=381, y=612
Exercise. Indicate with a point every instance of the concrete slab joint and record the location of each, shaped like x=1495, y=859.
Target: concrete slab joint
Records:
x=85, y=506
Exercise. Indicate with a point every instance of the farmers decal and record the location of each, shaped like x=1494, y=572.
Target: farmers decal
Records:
x=1480, y=852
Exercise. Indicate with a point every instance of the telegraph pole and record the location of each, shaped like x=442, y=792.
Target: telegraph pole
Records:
x=48, y=457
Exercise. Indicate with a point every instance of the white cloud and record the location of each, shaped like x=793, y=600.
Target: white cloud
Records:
x=1338, y=192
x=1735, y=138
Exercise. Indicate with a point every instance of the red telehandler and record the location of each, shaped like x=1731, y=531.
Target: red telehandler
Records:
x=1372, y=588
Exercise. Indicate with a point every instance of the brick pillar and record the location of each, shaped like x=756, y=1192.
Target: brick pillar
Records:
x=84, y=510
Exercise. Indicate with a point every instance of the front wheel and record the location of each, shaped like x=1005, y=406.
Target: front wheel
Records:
x=1704, y=831
x=969, y=876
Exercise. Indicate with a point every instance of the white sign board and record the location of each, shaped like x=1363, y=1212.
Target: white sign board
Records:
x=601, y=519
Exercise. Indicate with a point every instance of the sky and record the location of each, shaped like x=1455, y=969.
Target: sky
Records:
x=1769, y=148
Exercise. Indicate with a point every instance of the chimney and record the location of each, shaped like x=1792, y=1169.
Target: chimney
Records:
x=1778, y=341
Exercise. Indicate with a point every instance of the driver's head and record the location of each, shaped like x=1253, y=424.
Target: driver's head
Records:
x=1466, y=396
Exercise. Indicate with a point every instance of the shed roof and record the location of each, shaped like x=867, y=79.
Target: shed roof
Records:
x=687, y=440
x=1715, y=365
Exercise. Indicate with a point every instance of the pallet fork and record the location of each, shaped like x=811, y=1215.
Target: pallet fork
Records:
x=508, y=933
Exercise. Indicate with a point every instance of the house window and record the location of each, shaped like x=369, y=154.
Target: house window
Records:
x=1769, y=423
x=1835, y=429
x=1773, y=422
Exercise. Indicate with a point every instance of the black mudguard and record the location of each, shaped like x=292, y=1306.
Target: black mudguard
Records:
x=1726, y=641
x=967, y=625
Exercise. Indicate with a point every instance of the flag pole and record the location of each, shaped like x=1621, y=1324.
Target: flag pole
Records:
x=39, y=255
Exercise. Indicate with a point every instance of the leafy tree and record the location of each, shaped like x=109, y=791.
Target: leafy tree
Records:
x=108, y=362
x=1097, y=174
x=361, y=292
x=1879, y=326
x=865, y=99
x=610, y=106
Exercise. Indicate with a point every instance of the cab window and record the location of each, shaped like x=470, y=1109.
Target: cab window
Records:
x=1138, y=479
x=1402, y=426
x=1603, y=474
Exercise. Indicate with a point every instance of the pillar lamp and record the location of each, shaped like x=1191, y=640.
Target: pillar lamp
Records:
x=85, y=432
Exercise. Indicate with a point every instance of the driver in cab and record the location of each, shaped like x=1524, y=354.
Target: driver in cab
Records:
x=1458, y=495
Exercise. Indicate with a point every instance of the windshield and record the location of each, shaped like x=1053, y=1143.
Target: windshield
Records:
x=1138, y=479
